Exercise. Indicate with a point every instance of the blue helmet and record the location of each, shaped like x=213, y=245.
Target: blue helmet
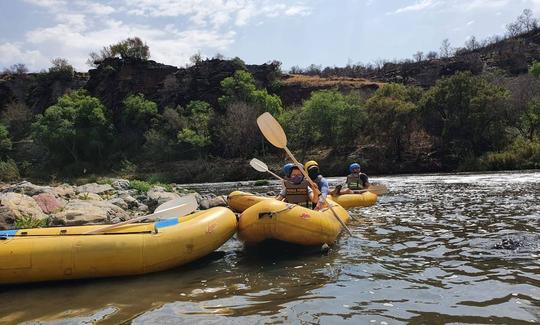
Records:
x=287, y=168
x=353, y=166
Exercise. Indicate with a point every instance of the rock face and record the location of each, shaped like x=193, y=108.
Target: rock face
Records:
x=20, y=205
x=80, y=212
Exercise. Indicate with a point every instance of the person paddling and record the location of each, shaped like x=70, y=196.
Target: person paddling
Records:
x=296, y=189
x=356, y=180
x=312, y=168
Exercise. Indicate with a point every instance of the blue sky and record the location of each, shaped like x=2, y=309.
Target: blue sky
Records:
x=295, y=32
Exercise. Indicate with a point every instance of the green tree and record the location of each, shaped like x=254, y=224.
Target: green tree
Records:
x=137, y=112
x=5, y=141
x=535, y=69
x=138, y=116
x=62, y=67
x=197, y=129
x=130, y=48
x=392, y=113
x=531, y=119
x=76, y=128
x=240, y=87
x=321, y=113
x=468, y=114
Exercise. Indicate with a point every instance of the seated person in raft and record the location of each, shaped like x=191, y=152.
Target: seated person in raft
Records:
x=312, y=168
x=355, y=182
x=296, y=189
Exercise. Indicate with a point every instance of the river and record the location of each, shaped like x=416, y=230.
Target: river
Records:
x=444, y=248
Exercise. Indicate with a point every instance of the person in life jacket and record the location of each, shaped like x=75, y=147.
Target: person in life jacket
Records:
x=312, y=168
x=296, y=189
x=356, y=180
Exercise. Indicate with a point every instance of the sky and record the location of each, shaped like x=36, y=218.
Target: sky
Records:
x=295, y=32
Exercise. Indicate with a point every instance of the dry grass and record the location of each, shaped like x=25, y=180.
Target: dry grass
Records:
x=317, y=81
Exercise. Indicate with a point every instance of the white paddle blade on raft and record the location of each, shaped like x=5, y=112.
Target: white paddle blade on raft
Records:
x=189, y=199
x=272, y=130
x=172, y=212
x=258, y=165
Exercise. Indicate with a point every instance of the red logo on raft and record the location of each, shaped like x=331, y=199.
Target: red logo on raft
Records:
x=305, y=215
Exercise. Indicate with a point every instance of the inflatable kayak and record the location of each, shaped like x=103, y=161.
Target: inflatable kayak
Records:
x=349, y=201
x=273, y=219
x=60, y=253
x=240, y=201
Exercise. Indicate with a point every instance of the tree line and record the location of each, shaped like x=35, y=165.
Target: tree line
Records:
x=463, y=122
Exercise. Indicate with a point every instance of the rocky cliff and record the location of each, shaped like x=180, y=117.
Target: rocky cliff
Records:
x=512, y=55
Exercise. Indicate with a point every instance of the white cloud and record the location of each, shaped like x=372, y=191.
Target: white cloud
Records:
x=456, y=5
x=418, y=6
x=11, y=53
x=82, y=26
x=214, y=12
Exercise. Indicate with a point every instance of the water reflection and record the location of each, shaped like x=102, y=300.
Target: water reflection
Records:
x=435, y=250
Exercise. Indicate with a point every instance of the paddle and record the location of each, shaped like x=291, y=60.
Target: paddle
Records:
x=273, y=132
x=262, y=167
x=170, y=209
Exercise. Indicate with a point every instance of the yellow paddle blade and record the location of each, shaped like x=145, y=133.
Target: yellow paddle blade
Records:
x=378, y=189
x=258, y=165
x=272, y=130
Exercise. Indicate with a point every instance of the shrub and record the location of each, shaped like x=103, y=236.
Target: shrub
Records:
x=140, y=186
x=261, y=182
x=9, y=171
x=26, y=222
x=535, y=69
x=522, y=154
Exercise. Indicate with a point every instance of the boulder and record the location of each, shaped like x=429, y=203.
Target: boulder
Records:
x=218, y=201
x=64, y=191
x=20, y=205
x=7, y=218
x=157, y=195
x=29, y=189
x=81, y=212
x=121, y=184
x=89, y=196
x=95, y=188
x=119, y=203
x=48, y=202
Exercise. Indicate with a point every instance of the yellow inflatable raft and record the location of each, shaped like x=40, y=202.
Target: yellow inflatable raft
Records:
x=349, y=201
x=42, y=254
x=273, y=219
x=240, y=201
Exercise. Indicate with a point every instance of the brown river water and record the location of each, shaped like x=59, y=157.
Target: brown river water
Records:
x=456, y=248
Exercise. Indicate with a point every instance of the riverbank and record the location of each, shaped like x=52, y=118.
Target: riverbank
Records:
x=27, y=205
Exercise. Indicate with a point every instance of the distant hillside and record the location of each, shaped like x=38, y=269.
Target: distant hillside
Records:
x=512, y=55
